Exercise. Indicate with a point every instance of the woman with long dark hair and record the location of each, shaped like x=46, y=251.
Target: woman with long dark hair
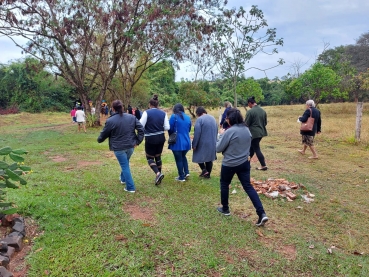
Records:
x=155, y=122
x=234, y=143
x=125, y=132
x=181, y=123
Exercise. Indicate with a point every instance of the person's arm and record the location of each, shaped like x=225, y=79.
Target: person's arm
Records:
x=143, y=119
x=166, y=123
x=196, y=134
x=319, y=123
x=305, y=116
x=224, y=115
x=248, y=119
x=105, y=133
x=266, y=119
x=223, y=141
x=140, y=132
x=172, y=124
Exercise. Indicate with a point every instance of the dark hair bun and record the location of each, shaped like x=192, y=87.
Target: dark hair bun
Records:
x=155, y=97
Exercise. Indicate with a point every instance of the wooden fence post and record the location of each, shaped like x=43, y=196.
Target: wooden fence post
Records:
x=359, y=114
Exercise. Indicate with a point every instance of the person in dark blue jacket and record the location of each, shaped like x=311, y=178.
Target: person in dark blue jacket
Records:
x=308, y=136
x=223, y=123
x=181, y=123
x=125, y=132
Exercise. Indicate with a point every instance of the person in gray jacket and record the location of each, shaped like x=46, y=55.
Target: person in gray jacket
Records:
x=125, y=132
x=204, y=141
x=234, y=143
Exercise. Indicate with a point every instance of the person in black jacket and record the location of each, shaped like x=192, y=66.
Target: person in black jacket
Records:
x=125, y=132
x=308, y=136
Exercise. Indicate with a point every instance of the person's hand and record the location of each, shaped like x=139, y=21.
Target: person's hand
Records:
x=221, y=131
x=135, y=146
x=318, y=133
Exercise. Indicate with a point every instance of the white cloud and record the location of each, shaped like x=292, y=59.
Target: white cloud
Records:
x=9, y=51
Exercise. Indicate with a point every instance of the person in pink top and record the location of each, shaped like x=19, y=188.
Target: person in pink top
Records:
x=73, y=114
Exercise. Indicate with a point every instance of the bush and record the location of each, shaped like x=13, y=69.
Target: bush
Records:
x=11, y=175
x=11, y=110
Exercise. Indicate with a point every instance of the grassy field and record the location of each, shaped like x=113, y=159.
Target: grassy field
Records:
x=88, y=226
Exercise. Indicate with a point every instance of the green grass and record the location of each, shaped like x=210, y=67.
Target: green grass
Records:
x=88, y=226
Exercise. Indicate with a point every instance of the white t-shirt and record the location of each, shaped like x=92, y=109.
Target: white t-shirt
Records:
x=80, y=116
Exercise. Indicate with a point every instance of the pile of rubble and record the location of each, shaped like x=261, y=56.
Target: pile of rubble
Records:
x=12, y=243
x=274, y=188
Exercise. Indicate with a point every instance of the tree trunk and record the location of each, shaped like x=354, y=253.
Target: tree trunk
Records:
x=234, y=91
x=359, y=114
x=191, y=112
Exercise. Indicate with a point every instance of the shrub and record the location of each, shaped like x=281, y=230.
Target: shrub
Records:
x=10, y=110
x=11, y=174
x=91, y=120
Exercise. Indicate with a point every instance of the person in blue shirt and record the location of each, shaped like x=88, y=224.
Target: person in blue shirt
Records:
x=181, y=123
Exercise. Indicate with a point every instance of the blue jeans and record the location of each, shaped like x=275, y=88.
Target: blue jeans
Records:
x=123, y=157
x=181, y=162
x=243, y=173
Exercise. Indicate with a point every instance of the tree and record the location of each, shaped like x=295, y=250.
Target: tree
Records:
x=26, y=84
x=273, y=91
x=239, y=37
x=86, y=42
x=248, y=88
x=192, y=95
x=359, y=53
x=319, y=83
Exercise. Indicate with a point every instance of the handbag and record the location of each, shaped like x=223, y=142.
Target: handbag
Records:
x=309, y=124
x=173, y=136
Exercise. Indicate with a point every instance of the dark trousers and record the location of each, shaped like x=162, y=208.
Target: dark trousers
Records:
x=243, y=174
x=208, y=166
x=255, y=149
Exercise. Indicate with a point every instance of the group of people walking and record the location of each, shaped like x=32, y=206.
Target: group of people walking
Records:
x=238, y=140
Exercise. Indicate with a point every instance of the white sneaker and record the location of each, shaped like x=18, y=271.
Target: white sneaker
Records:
x=131, y=191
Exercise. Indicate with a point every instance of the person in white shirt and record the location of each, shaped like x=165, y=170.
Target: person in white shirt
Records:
x=81, y=119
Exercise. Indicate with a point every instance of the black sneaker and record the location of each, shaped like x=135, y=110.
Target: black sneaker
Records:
x=220, y=209
x=158, y=179
x=206, y=175
x=262, y=219
x=203, y=173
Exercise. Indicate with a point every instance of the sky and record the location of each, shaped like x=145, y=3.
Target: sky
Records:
x=305, y=26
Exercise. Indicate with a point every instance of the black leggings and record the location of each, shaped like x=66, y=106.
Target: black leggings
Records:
x=255, y=149
x=153, y=156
